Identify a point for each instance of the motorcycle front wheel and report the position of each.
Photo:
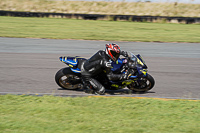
(143, 84)
(67, 79)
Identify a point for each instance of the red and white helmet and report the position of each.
(113, 51)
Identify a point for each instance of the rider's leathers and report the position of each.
(98, 63)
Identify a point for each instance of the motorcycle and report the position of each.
(139, 80)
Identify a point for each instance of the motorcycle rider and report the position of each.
(101, 62)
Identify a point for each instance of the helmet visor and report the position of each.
(115, 55)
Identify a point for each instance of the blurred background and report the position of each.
(181, 1)
(180, 8)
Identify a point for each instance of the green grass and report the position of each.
(97, 30)
(49, 114)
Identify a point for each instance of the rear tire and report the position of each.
(143, 85)
(67, 79)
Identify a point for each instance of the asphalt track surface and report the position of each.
(28, 66)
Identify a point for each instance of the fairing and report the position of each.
(72, 62)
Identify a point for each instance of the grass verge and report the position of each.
(48, 114)
(97, 30)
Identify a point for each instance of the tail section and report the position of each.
(73, 62)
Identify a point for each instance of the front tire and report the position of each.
(67, 79)
(143, 84)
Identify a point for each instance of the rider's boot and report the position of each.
(99, 92)
(98, 88)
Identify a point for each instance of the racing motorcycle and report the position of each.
(139, 80)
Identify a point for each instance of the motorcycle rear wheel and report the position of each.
(143, 85)
(67, 79)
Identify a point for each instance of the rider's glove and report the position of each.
(124, 53)
(105, 63)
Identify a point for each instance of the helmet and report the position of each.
(113, 51)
